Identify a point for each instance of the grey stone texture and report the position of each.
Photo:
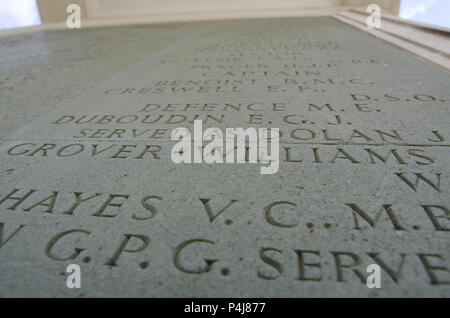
(363, 177)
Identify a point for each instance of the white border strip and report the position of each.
(426, 42)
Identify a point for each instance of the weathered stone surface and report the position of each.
(363, 177)
(42, 70)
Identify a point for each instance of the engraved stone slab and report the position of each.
(41, 70)
(363, 176)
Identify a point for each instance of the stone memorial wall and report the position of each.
(363, 173)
